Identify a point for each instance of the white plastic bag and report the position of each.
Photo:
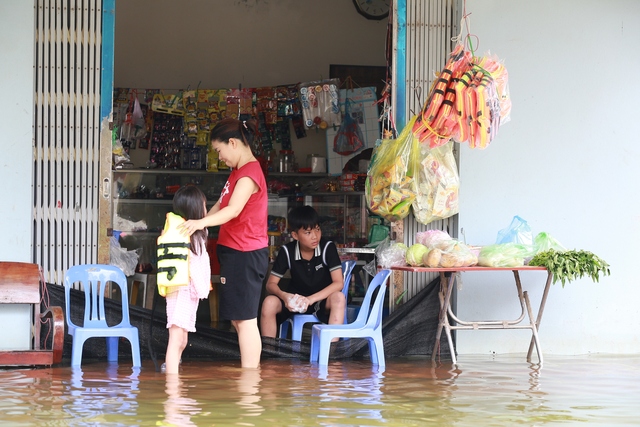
(122, 258)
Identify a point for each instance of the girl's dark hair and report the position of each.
(304, 217)
(188, 202)
(244, 130)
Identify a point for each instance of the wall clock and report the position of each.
(373, 9)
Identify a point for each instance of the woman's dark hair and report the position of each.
(244, 130)
(304, 217)
(188, 202)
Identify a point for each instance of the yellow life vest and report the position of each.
(173, 255)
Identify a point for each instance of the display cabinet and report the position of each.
(344, 217)
(141, 199)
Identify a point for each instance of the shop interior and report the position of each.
(198, 54)
(195, 44)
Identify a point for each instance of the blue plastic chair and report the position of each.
(94, 279)
(368, 325)
(297, 321)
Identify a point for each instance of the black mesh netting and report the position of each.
(409, 330)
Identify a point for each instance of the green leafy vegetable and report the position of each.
(568, 266)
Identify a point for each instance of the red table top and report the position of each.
(474, 268)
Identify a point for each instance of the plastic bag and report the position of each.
(122, 258)
(517, 232)
(134, 125)
(391, 254)
(433, 238)
(437, 185)
(451, 253)
(377, 233)
(349, 138)
(544, 242)
(390, 188)
(504, 255)
(296, 304)
(117, 150)
(137, 118)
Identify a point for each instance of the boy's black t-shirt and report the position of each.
(307, 277)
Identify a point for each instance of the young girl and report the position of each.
(182, 301)
(241, 213)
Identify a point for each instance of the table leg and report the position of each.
(534, 331)
(446, 287)
(543, 301)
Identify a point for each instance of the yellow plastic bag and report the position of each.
(437, 184)
(390, 188)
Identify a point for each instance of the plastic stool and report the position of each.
(136, 280)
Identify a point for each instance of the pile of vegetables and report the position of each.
(435, 248)
(568, 266)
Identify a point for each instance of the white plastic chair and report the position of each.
(297, 321)
(368, 325)
(94, 279)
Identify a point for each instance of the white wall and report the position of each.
(566, 162)
(16, 119)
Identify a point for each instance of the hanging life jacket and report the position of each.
(173, 255)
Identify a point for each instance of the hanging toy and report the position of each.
(460, 105)
(442, 94)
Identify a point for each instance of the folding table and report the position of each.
(446, 312)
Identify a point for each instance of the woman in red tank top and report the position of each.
(241, 213)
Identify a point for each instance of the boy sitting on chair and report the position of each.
(316, 276)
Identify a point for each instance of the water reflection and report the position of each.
(99, 390)
(249, 390)
(422, 392)
(342, 388)
(504, 391)
(178, 408)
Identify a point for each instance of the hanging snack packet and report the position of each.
(389, 188)
(437, 185)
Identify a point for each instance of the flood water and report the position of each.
(482, 390)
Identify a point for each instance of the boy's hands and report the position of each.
(304, 303)
(296, 303)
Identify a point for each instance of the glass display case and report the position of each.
(141, 199)
(344, 217)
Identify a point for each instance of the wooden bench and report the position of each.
(20, 284)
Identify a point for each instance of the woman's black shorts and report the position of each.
(241, 278)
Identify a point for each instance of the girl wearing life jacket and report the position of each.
(189, 202)
(241, 213)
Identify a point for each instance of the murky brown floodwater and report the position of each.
(599, 390)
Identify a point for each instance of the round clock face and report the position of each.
(373, 9)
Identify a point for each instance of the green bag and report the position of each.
(378, 232)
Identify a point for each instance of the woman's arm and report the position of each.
(215, 208)
(245, 187)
